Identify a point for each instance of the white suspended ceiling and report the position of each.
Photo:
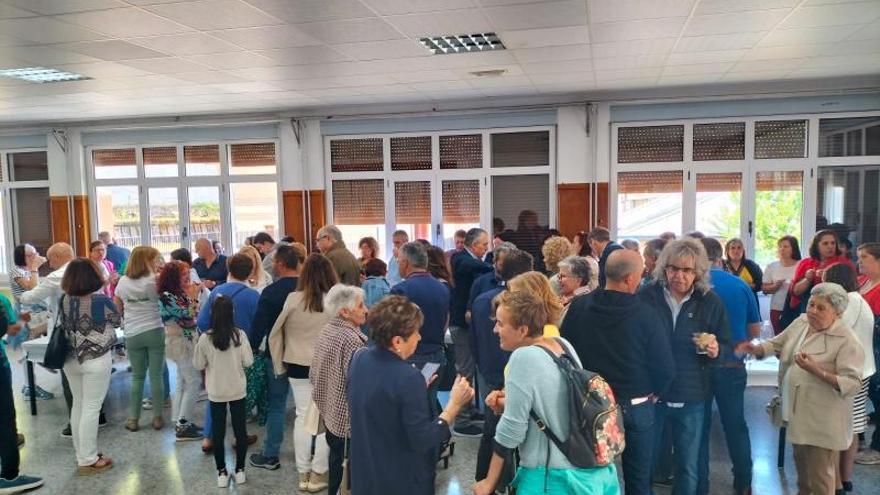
(152, 57)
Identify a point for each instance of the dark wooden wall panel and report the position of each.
(294, 215)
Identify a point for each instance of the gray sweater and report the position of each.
(224, 375)
(534, 382)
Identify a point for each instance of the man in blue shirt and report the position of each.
(729, 374)
(398, 239)
(117, 254)
(244, 307)
(286, 265)
(600, 242)
(210, 266)
(432, 297)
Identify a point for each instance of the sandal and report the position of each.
(131, 424)
(102, 464)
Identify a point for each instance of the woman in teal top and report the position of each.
(534, 382)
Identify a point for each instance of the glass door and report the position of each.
(779, 207)
(460, 209)
(166, 228)
(204, 214)
(718, 205)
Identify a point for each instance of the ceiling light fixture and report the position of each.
(41, 75)
(462, 43)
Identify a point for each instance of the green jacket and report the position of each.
(347, 267)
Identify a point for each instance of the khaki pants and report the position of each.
(816, 469)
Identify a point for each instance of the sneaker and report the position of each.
(240, 478)
(222, 479)
(147, 404)
(187, 432)
(66, 432)
(19, 484)
(317, 482)
(868, 457)
(41, 394)
(102, 420)
(261, 461)
(467, 431)
(303, 481)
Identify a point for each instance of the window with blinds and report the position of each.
(202, 160)
(461, 201)
(115, 163)
(411, 153)
(412, 202)
(649, 203)
(33, 221)
(252, 159)
(463, 151)
(521, 149)
(359, 202)
(650, 144)
(515, 196)
(719, 203)
(854, 136)
(781, 139)
(722, 141)
(160, 162)
(356, 155)
(30, 165)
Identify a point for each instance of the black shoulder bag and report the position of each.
(59, 347)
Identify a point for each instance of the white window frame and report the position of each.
(436, 175)
(9, 213)
(749, 166)
(182, 183)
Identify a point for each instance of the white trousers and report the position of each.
(89, 382)
(187, 393)
(302, 440)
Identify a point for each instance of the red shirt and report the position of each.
(872, 296)
(814, 264)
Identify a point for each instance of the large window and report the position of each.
(433, 184)
(24, 203)
(168, 196)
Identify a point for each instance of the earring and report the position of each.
(397, 350)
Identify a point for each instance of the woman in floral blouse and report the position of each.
(178, 304)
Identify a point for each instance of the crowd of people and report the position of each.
(361, 345)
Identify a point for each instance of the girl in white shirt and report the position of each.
(777, 278)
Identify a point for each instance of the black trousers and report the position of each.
(9, 457)
(218, 432)
(337, 455)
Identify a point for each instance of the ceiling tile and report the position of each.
(552, 53)
(534, 38)
(267, 37)
(636, 30)
(125, 23)
(351, 31)
(632, 47)
(424, 76)
(831, 15)
(688, 58)
(785, 52)
(465, 60)
(442, 23)
(186, 44)
(766, 65)
(740, 22)
(215, 14)
(103, 69)
(335, 82)
(517, 91)
(869, 32)
(630, 62)
(47, 30)
(276, 73)
(299, 11)
(726, 6)
(540, 15)
(396, 7)
(563, 78)
(304, 55)
(850, 48)
(683, 70)
(630, 10)
(581, 65)
(46, 55)
(10, 12)
(615, 75)
(797, 36)
(688, 80)
(208, 77)
(12, 41)
(112, 50)
(378, 50)
(233, 60)
(719, 42)
(54, 7)
(767, 75)
(498, 81)
(168, 65)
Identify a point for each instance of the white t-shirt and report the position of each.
(859, 317)
(140, 301)
(775, 272)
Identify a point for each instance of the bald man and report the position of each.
(616, 335)
(48, 290)
(210, 266)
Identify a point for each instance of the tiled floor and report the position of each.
(152, 462)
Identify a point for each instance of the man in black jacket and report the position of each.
(616, 335)
(687, 309)
(600, 242)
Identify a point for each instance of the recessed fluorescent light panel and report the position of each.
(462, 43)
(41, 75)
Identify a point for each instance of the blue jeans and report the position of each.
(420, 360)
(638, 423)
(728, 388)
(278, 390)
(685, 423)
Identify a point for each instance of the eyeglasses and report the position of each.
(322, 237)
(677, 269)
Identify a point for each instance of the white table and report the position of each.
(35, 352)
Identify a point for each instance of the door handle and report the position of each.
(750, 228)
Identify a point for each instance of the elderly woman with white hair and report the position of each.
(574, 280)
(334, 348)
(819, 374)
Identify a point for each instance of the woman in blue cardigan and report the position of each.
(394, 440)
